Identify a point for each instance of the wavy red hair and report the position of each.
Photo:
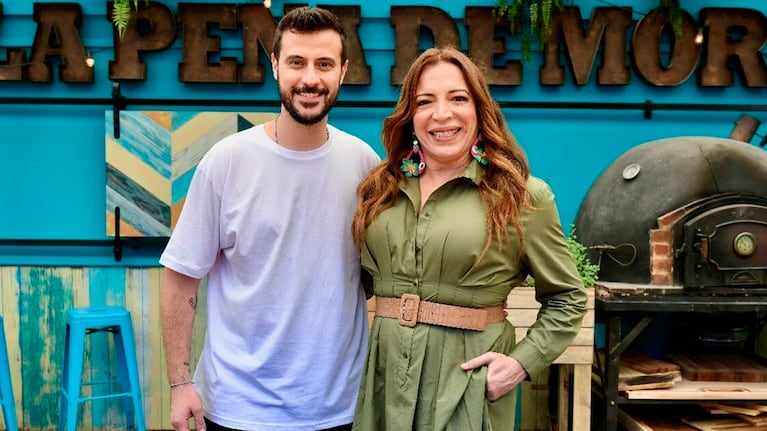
(503, 187)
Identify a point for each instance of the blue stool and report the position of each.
(85, 321)
(6, 388)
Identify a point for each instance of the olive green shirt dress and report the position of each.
(413, 379)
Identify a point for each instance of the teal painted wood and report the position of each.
(138, 207)
(172, 155)
(45, 295)
(99, 345)
(142, 298)
(106, 287)
(566, 147)
(143, 138)
(9, 307)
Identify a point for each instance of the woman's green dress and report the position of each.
(413, 379)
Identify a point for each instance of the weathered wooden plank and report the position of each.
(576, 355)
(722, 367)
(106, 286)
(139, 301)
(584, 337)
(522, 298)
(646, 421)
(534, 403)
(34, 302)
(522, 318)
(160, 413)
(580, 350)
(581, 399)
(704, 391)
(44, 296)
(9, 307)
(525, 318)
(161, 410)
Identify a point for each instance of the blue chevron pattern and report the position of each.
(150, 166)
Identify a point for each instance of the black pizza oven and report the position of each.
(684, 211)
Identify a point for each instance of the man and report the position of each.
(267, 221)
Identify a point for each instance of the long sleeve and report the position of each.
(558, 286)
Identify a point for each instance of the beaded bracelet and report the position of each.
(186, 382)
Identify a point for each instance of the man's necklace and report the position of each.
(277, 139)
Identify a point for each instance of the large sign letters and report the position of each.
(732, 43)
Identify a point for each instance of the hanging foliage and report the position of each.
(121, 14)
(675, 15)
(532, 20)
(529, 18)
(588, 271)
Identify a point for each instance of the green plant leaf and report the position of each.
(529, 18)
(588, 271)
(674, 10)
(121, 14)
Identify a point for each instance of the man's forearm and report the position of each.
(178, 307)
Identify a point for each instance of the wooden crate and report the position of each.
(573, 366)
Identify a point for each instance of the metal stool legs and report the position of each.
(6, 387)
(85, 321)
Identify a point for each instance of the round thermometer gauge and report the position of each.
(745, 244)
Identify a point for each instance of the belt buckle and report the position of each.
(408, 309)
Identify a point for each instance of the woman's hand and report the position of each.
(503, 372)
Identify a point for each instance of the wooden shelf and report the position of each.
(688, 390)
(682, 418)
(640, 421)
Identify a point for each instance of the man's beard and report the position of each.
(286, 97)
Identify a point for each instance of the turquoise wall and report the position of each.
(52, 170)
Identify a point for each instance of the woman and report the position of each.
(447, 225)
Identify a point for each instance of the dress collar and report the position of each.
(473, 172)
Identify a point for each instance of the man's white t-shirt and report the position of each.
(287, 327)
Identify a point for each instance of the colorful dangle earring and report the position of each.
(409, 166)
(478, 153)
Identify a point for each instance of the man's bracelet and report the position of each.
(186, 382)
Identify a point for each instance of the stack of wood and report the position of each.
(637, 371)
(702, 417)
(726, 417)
(719, 367)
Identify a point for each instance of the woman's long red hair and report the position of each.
(503, 187)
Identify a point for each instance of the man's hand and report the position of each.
(185, 403)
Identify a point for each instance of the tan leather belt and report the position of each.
(409, 310)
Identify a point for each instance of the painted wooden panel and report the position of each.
(150, 165)
(9, 307)
(34, 302)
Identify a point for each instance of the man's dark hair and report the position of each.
(308, 20)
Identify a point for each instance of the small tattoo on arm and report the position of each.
(193, 302)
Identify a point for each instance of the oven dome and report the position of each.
(651, 180)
